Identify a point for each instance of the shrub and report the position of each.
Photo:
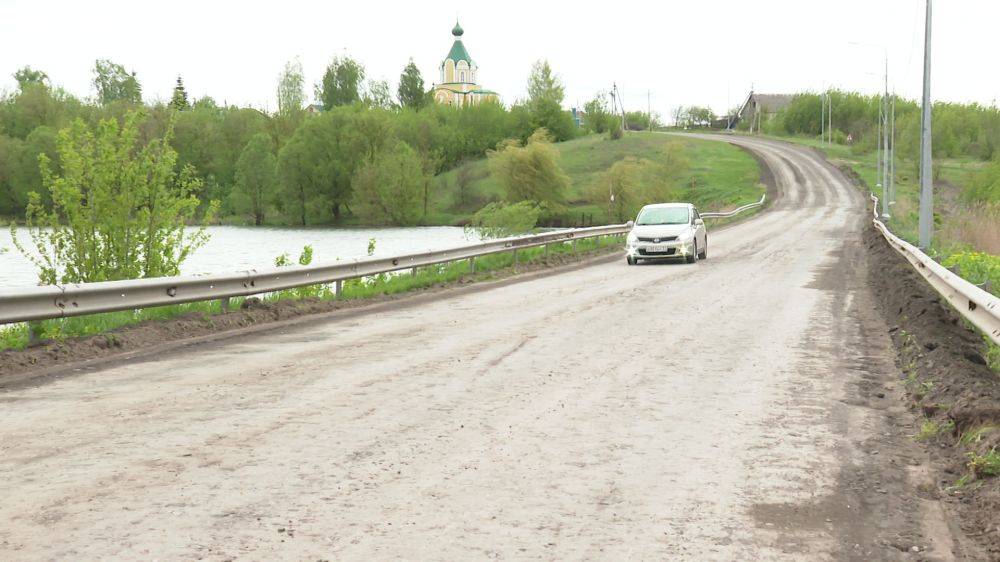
(119, 209)
(976, 267)
(530, 172)
(498, 220)
(615, 131)
(389, 189)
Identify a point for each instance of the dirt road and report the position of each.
(738, 408)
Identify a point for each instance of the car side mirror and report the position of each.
(699, 222)
(630, 224)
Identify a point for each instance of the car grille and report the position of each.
(669, 252)
(663, 239)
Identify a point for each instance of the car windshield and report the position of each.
(663, 215)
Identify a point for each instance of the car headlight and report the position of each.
(687, 236)
(631, 240)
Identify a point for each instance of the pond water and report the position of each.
(234, 248)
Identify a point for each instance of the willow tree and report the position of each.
(256, 178)
(530, 172)
(119, 208)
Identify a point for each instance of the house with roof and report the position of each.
(756, 108)
(458, 77)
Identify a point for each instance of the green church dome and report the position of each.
(458, 52)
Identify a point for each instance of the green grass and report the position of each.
(16, 336)
(931, 429)
(975, 435)
(720, 177)
(986, 465)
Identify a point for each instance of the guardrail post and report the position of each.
(472, 265)
(515, 260)
(34, 334)
(545, 247)
(338, 288)
(413, 272)
(574, 246)
(224, 304)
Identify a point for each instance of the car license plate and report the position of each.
(657, 248)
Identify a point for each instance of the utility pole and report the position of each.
(892, 151)
(885, 143)
(926, 174)
(649, 111)
(878, 147)
(829, 105)
(822, 117)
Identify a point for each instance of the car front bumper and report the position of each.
(670, 250)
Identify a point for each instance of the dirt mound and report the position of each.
(949, 383)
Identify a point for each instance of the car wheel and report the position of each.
(693, 256)
(630, 260)
(704, 253)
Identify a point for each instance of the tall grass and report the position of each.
(486, 267)
(977, 227)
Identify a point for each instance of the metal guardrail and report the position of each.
(978, 306)
(60, 301)
(736, 211)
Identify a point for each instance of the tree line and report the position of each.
(365, 153)
(966, 131)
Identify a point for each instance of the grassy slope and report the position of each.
(721, 175)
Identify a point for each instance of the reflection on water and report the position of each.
(234, 248)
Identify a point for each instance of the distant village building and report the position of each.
(458, 77)
(758, 108)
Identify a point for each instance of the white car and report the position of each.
(666, 231)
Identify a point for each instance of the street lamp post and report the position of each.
(926, 174)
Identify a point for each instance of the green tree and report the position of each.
(113, 83)
(256, 178)
(179, 100)
(119, 209)
(27, 77)
(530, 172)
(545, 97)
(411, 90)
(389, 188)
(303, 168)
(544, 84)
(378, 95)
(317, 164)
(291, 89)
(341, 84)
(10, 154)
(597, 117)
(27, 174)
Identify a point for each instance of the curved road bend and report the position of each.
(676, 411)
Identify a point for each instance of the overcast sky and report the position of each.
(706, 52)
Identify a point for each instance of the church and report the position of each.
(458, 76)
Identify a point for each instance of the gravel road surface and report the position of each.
(714, 411)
